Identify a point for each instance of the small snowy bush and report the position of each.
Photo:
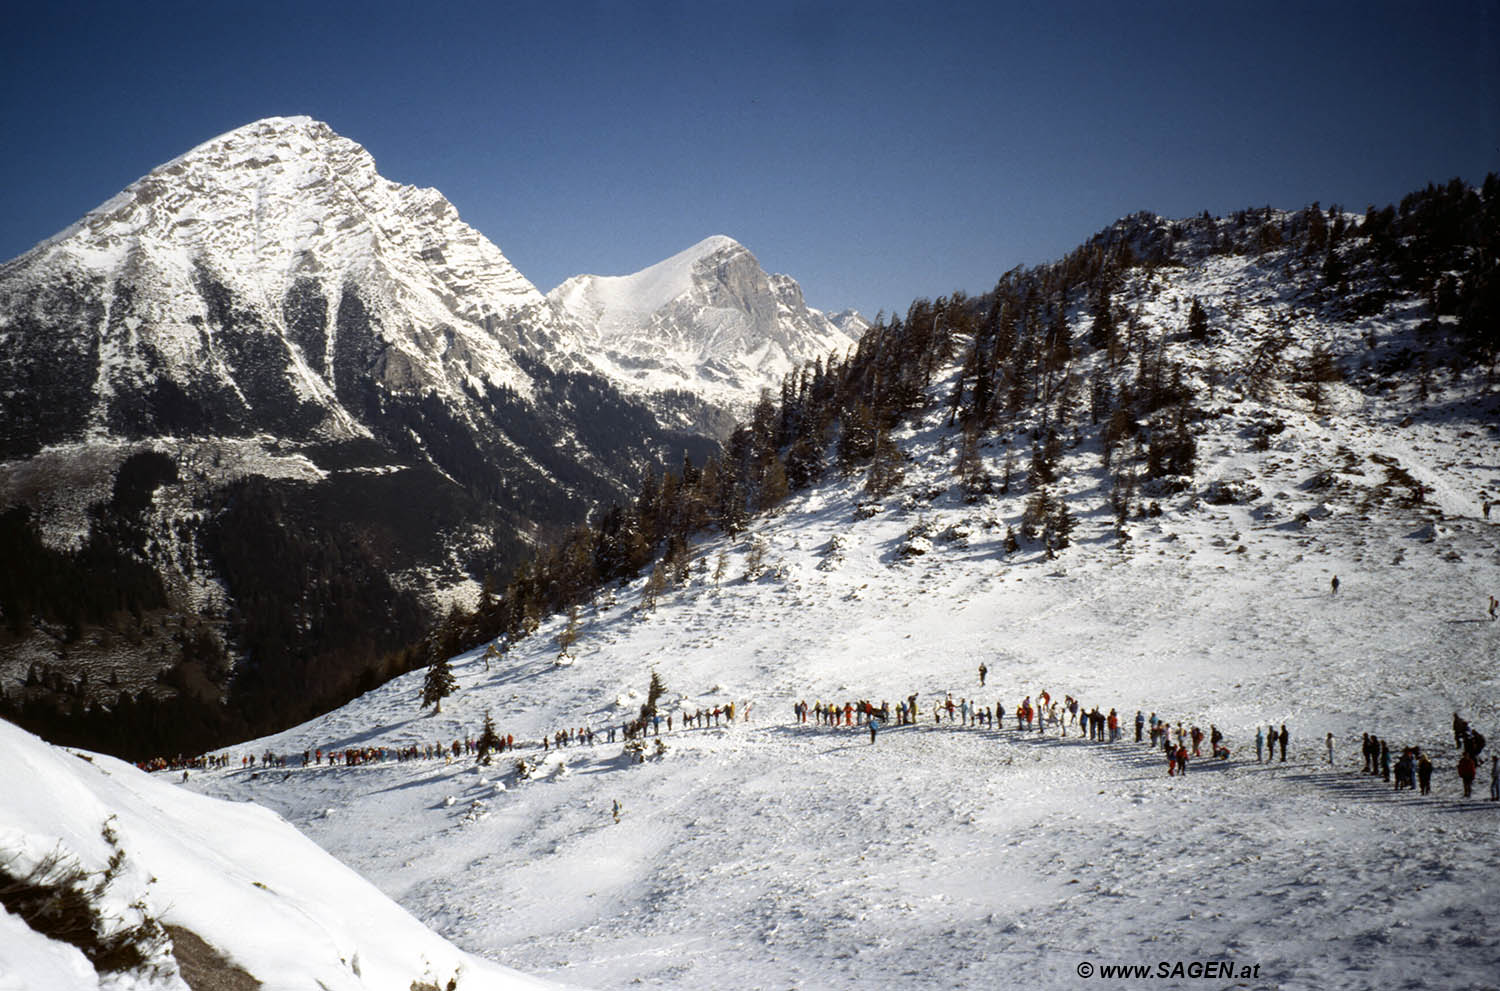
(1231, 492)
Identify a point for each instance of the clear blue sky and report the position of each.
(876, 152)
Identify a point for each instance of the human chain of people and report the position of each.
(685, 718)
(1181, 744)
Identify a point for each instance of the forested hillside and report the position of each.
(1124, 347)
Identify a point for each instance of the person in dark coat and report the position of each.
(1282, 738)
(1405, 767)
(1424, 773)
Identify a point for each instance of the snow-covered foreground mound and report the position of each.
(768, 854)
(223, 895)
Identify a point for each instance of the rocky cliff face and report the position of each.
(709, 320)
(267, 404)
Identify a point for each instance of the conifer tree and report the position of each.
(858, 439)
(1061, 524)
(568, 635)
(804, 464)
(438, 684)
(1036, 515)
(774, 484)
(655, 583)
(973, 477)
(1102, 331)
(654, 692)
(489, 740)
(886, 471)
(1197, 324)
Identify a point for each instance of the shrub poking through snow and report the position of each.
(57, 898)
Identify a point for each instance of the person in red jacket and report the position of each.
(1467, 768)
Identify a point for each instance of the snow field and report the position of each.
(767, 855)
(764, 855)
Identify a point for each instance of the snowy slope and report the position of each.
(708, 320)
(768, 854)
(242, 880)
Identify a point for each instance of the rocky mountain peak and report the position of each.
(708, 319)
(285, 197)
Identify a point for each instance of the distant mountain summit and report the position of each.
(708, 320)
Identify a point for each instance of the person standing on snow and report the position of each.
(1495, 778)
(1140, 724)
(982, 672)
(1329, 741)
(1282, 738)
(1424, 773)
(1466, 771)
(1334, 585)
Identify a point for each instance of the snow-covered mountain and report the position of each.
(709, 320)
(771, 852)
(265, 350)
(273, 276)
(110, 879)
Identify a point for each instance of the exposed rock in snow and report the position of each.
(1231, 491)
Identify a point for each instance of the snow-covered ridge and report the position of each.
(275, 196)
(617, 305)
(708, 319)
(289, 217)
(262, 896)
